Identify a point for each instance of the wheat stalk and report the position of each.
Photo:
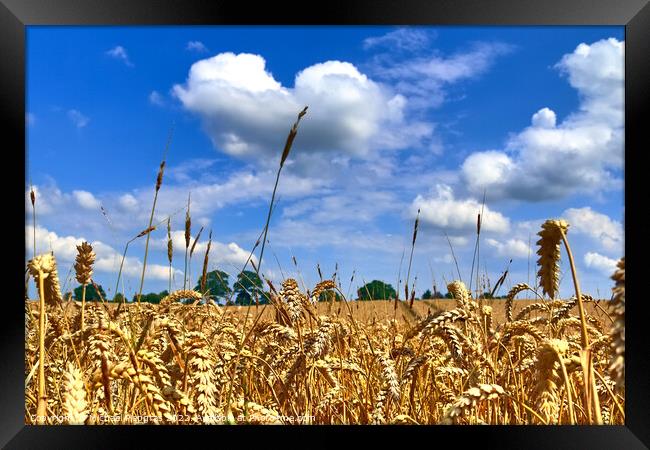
(408, 273)
(159, 179)
(188, 235)
(43, 269)
(285, 154)
(205, 262)
(170, 250)
(617, 364)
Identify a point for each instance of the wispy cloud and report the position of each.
(424, 74)
(401, 39)
(77, 118)
(196, 46)
(155, 98)
(120, 53)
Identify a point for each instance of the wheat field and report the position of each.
(297, 361)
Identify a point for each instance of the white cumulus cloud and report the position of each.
(222, 254)
(128, 202)
(247, 112)
(107, 258)
(602, 264)
(86, 199)
(600, 227)
(442, 210)
(544, 118)
(512, 248)
(581, 154)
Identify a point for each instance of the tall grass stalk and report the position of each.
(126, 247)
(170, 251)
(408, 274)
(451, 247)
(41, 410)
(188, 231)
(159, 179)
(205, 263)
(32, 196)
(196, 240)
(476, 258)
(399, 280)
(285, 154)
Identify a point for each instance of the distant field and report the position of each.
(366, 311)
(382, 309)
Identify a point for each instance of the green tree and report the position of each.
(216, 282)
(427, 295)
(449, 295)
(247, 286)
(91, 293)
(264, 298)
(151, 297)
(119, 298)
(438, 294)
(376, 290)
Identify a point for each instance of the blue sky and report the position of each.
(399, 119)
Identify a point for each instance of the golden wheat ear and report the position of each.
(459, 291)
(549, 255)
(180, 294)
(46, 264)
(548, 378)
(74, 403)
(516, 289)
(84, 263)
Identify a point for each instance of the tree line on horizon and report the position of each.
(248, 290)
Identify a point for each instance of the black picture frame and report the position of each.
(15, 15)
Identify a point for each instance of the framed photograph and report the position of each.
(355, 216)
